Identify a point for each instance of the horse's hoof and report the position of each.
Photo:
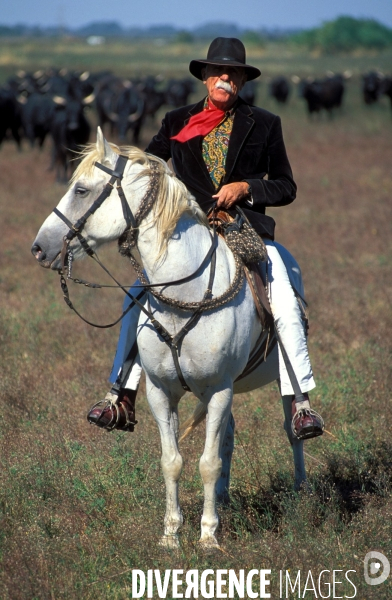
(209, 543)
(170, 542)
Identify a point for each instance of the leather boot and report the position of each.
(306, 422)
(116, 411)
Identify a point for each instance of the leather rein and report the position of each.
(75, 230)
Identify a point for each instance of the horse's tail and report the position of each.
(199, 414)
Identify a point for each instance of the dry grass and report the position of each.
(79, 508)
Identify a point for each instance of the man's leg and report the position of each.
(127, 338)
(290, 326)
(117, 410)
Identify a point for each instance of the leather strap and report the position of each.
(174, 342)
(187, 278)
(118, 170)
(76, 228)
(68, 301)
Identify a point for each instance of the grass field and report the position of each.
(80, 508)
(129, 58)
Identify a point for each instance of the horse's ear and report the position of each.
(104, 149)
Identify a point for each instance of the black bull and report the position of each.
(322, 94)
(120, 103)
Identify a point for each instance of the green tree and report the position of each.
(184, 37)
(346, 34)
(254, 38)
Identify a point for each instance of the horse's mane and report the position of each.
(173, 198)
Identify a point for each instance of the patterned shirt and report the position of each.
(214, 147)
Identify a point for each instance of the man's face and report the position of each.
(223, 84)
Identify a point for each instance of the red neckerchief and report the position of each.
(201, 124)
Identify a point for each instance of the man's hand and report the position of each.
(231, 194)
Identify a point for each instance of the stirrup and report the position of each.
(109, 402)
(113, 413)
(306, 424)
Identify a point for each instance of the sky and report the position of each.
(252, 14)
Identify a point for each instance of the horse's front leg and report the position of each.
(165, 413)
(219, 407)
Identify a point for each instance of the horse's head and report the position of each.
(87, 183)
(92, 210)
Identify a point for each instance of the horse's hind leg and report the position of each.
(211, 462)
(166, 417)
(297, 445)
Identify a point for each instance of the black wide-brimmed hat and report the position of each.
(224, 51)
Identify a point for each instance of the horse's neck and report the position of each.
(185, 252)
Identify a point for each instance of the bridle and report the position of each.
(75, 230)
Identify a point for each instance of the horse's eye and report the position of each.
(81, 191)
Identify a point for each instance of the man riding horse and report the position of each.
(221, 149)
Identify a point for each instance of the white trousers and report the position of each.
(289, 323)
(288, 319)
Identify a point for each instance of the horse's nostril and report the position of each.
(38, 253)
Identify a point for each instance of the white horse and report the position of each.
(172, 241)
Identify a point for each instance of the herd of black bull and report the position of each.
(35, 105)
(53, 103)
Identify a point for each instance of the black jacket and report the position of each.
(256, 149)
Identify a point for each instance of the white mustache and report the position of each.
(224, 85)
